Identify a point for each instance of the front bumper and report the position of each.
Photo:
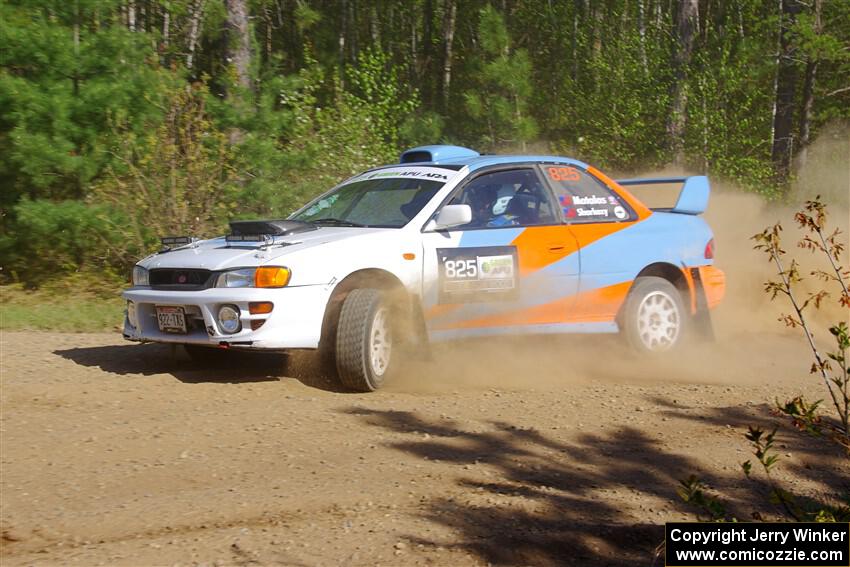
(295, 322)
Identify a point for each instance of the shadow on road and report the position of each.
(222, 366)
(552, 502)
(815, 458)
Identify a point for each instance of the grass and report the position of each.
(60, 309)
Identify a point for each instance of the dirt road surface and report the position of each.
(520, 453)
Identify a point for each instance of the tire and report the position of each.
(364, 340)
(654, 318)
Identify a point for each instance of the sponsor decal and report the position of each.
(591, 212)
(570, 212)
(592, 200)
(477, 274)
(415, 173)
(620, 212)
(496, 267)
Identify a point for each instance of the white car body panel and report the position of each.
(318, 259)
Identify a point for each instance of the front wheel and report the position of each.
(364, 340)
(654, 318)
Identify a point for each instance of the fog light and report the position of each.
(228, 319)
(131, 314)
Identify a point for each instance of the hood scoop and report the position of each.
(265, 230)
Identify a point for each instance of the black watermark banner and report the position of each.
(757, 545)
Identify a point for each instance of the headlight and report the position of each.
(140, 276)
(236, 278)
(264, 276)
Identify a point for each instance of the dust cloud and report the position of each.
(751, 345)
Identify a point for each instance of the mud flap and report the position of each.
(418, 342)
(703, 327)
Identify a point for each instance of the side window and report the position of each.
(583, 198)
(507, 198)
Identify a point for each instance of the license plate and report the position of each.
(171, 319)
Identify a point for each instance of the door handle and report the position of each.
(556, 247)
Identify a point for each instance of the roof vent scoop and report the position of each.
(436, 154)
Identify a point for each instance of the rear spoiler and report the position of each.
(693, 196)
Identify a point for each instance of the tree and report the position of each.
(448, 40)
(498, 104)
(686, 22)
(239, 42)
(785, 95)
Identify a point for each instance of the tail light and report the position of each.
(709, 250)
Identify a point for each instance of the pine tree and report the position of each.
(498, 105)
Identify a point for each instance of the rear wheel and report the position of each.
(364, 340)
(654, 317)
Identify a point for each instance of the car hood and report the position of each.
(218, 254)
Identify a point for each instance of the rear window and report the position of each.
(583, 198)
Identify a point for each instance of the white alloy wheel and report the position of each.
(659, 321)
(653, 319)
(380, 342)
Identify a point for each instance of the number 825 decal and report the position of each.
(461, 269)
(563, 174)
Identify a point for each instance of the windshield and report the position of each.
(388, 202)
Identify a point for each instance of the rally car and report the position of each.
(447, 244)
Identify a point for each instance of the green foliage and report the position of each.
(693, 491)
(306, 17)
(377, 96)
(146, 118)
(178, 179)
(55, 239)
(334, 133)
(499, 102)
(420, 129)
(812, 219)
(63, 85)
(804, 415)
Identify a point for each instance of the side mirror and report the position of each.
(453, 215)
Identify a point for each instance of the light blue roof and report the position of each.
(486, 161)
(458, 155)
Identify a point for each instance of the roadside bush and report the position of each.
(50, 240)
(830, 365)
(177, 180)
(334, 132)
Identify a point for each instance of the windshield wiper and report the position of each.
(337, 222)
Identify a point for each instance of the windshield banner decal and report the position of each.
(434, 173)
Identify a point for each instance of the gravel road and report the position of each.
(522, 452)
